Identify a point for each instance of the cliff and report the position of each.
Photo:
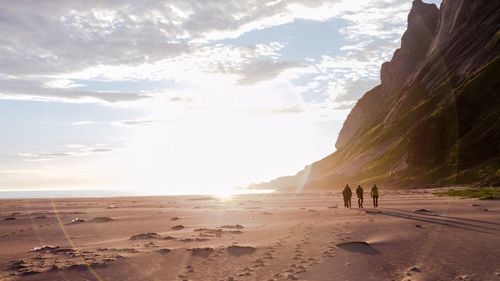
(435, 117)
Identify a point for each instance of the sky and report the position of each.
(178, 97)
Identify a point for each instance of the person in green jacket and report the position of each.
(374, 195)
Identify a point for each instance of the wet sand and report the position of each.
(411, 236)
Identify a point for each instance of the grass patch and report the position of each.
(481, 193)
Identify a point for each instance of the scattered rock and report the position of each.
(202, 252)
(45, 248)
(425, 211)
(78, 267)
(358, 247)
(17, 265)
(101, 219)
(236, 250)
(419, 226)
(77, 221)
(177, 227)
(9, 219)
(120, 250)
(174, 218)
(150, 245)
(41, 217)
(237, 226)
(196, 239)
(164, 251)
(415, 269)
(143, 236)
(29, 272)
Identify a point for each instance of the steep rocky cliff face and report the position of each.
(435, 117)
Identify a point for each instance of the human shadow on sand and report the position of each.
(469, 220)
(440, 220)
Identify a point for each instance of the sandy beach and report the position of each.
(413, 235)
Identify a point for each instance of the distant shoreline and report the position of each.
(90, 193)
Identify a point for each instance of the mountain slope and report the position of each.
(434, 118)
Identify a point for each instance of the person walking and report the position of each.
(347, 194)
(359, 193)
(374, 195)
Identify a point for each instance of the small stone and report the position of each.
(415, 269)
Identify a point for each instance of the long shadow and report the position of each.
(471, 220)
(436, 217)
(435, 221)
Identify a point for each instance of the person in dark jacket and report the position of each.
(374, 195)
(359, 193)
(347, 194)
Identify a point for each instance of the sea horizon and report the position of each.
(91, 193)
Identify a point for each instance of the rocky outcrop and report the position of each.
(415, 43)
(435, 117)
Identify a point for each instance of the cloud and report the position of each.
(99, 150)
(289, 109)
(176, 99)
(50, 37)
(355, 89)
(37, 89)
(116, 40)
(345, 105)
(372, 34)
(133, 123)
(71, 151)
(262, 70)
(82, 123)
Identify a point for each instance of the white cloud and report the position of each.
(133, 123)
(235, 104)
(36, 89)
(373, 33)
(82, 123)
(71, 151)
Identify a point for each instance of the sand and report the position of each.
(413, 235)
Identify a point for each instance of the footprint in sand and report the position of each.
(258, 263)
(189, 269)
(268, 255)
(246, 272)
